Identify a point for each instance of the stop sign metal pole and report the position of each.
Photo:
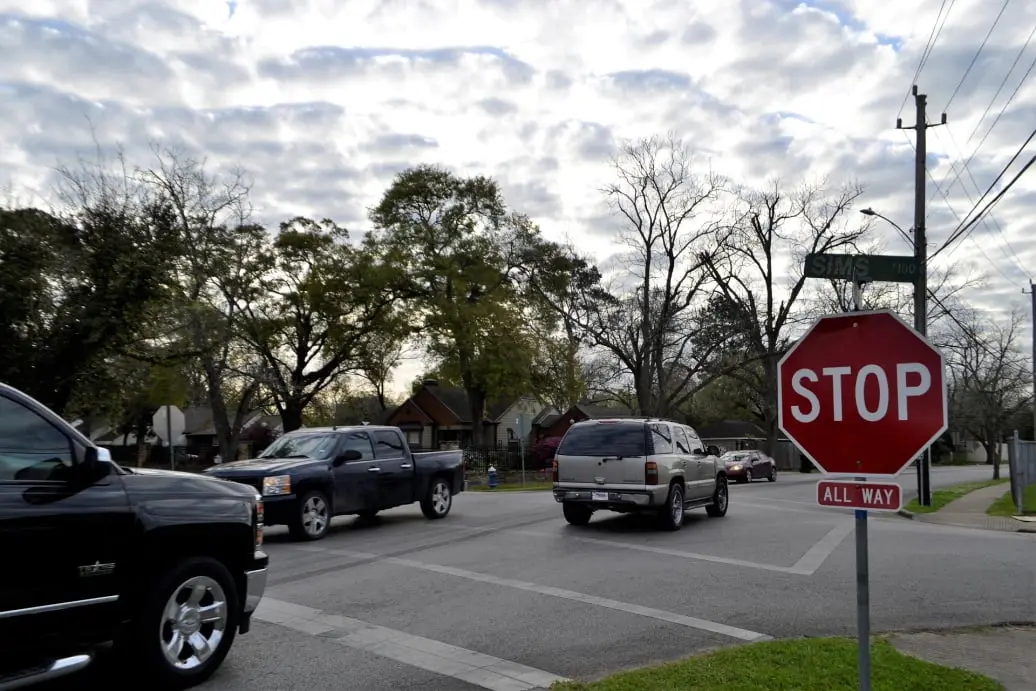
(863, 585)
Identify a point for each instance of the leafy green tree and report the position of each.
(79, 286)
(459, 258)
(315, 308)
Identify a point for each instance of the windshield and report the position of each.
(301, 446)
(605, 439)
(733, 457)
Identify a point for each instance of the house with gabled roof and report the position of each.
(436, 416)
(557, 425)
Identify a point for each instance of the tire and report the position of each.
(671, 516)
(720, 499)
(773, 474)
(438, 500)
(312, 517)
(576, 514)
(173, 614)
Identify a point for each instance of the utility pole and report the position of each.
(924, 466)
(1032, 297)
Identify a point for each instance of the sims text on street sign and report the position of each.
(862, 268)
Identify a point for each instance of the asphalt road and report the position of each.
(504, 595)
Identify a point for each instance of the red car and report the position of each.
(745, 466)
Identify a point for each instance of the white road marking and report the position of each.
(448, 660)
(680, 554)
(816, 555)
(629, 608)
(812, 560)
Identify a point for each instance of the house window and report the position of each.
(413, 438)
(510, 434)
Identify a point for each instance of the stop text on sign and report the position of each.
(910, 380)
(871, 496)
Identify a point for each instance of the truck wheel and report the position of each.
(312, 517)
(720, 499)
(670, 516)
(576, 514)
(438, 500)
(186, 624)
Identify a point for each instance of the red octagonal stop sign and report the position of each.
(862, 394)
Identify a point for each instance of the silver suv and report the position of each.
(637, 465)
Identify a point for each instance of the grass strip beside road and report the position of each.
(513, 487)
(942, 497)
(1004, 506)
(806, 664)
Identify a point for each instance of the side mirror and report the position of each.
(348, 456)
(713, 450)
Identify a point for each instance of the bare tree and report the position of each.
(762, 297)
(216, 238)
(670, 230)
(990, 378)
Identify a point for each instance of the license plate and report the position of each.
(599, 496)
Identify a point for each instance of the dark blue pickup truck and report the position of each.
(310, 475)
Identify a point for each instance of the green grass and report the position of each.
(942, 497)
(1004, 506)
(513, 487)
(810, 664)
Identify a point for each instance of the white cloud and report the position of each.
(321, 101)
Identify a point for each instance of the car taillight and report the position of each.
(260, 515)
(554, 466)
(650, 473)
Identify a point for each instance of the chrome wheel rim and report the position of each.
(748, 476)
(314, 516)
(441, 498)
(194, 622)
(677, 506)
(721, 495)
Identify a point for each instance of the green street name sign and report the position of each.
(863, 268)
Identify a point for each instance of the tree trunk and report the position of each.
(477, 398)
(291, 414)
(770, 412)
(142, 450)
(992, 459)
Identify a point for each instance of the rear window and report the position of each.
(605, 439)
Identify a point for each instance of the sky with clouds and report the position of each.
(322, 101)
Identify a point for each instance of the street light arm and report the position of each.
(872, 212)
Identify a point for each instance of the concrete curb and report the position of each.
(905, 514)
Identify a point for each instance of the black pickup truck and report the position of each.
(167, 566)
(310, 475)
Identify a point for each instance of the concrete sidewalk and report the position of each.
(1002, 653)
(969, 511)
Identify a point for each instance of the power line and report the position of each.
(978, 52)
(971, 334)
(1006, 249)
(1003, 172)
(933, 38)
(1014, 93)
(966, 230)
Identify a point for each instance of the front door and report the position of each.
(396, 469)
(356, 482)
(64, 539)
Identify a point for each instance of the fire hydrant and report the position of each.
(492, 477)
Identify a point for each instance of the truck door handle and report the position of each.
(406, 466)
(374, 469)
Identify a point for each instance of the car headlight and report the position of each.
(737, 467)
(277, 484)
